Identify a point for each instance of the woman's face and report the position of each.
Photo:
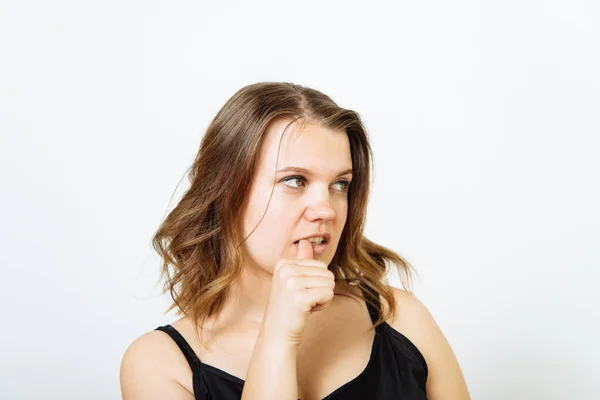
(303, 202)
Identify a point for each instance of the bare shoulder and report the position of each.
(412, 318)
(152, 367)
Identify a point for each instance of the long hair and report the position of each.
(199, 241)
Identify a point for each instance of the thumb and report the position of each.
(305, 250)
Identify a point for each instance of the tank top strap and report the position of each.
(369, 293)
(184, 346)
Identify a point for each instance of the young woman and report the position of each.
(281, 295)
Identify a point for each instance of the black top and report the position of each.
(396, 370)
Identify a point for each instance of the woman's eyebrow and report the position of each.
(309, 172)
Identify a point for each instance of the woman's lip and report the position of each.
(322, 243)
(317, 249)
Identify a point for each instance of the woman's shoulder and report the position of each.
(411, 317)
(414, 320)
(153, 363)
(153, 347)
(406, 302)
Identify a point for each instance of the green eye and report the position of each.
(293, 178)
(345, 187)
(297, 178)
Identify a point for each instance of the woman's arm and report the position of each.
(272, 371)
(148, 369)
(445, 380)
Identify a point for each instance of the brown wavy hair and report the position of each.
(199, 241)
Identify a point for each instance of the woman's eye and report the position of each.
(343, 183)
(293, 178)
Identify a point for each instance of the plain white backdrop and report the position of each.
(484, 120)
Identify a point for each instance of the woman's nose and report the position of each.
(321, 209)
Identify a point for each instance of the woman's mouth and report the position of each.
(317, 248)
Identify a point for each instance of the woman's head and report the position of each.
(241, 211)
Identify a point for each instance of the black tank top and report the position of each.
(396, 370)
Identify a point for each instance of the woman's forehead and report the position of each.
(306, 145)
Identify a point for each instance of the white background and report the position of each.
(484, 119)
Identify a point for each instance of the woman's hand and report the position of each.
(299, 288)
